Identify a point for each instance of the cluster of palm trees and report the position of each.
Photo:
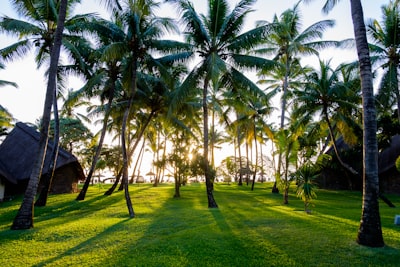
(145, 89)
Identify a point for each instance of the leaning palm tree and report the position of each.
(104, 81)
(286, 42)
(370, 231)
(37, 31)
(141, 34)
(385, 47)
(24, 217)
(334, 100)
(223, 51)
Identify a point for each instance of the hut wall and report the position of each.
(65, 180)
(389, 181)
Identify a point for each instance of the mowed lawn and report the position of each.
(250, 228)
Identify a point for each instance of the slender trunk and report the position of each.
(125, 158)
(240, 155)
(207, 172)
(137, 162)
(262, 161)
(247, 163)
(256, 165)
(345, 165)
(24, 217)
(112, 188)
(48, 178)
(283, 111)
(370, 231)
(96, 156)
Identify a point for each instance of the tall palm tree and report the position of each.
(385, 47)
(106, 78)
(37, 30)
(141, 37)
(325, 94)
(24, 217)
(222, 51)
(370, 230)
(286, 42)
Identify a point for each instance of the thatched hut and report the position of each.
(17, 153)
(389, 176)
(335, 177)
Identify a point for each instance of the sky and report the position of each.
(26, 102)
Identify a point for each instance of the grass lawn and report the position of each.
(248, 229)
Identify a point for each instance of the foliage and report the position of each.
(254, 230)
(305, 184)
(397, 163)
(74, 135)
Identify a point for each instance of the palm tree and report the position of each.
(385, 50)
(38, 31)
(370, 231)
(222, 51)
(286, 42)
(106, 78)
(24, 217)
(141, 35)
(326, 95)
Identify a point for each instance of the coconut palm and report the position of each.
(286, 42)
(370, 231)
(385, 47)
(105, 80)
(24, 217)
(327, 96)
(141, 35)
(37, 31)
(222, 51)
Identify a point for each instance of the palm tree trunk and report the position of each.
(125, 158)
(48, 179)
(283, 110)
(96, 156)
(370, 231)
(256, 165)
(207, 172)
(137, 162)
(345, 165)
(24, 217)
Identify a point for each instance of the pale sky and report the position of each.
(26, 102)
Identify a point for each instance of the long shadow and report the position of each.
(100, 238)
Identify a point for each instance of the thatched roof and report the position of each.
(19, 149)
(387, 158)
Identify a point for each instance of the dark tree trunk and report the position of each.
(256, 165)
(125, 159)
(207, 172)
(370, 231)
(112, 188)
(137, 162)
(48, 178)
(24, 217)
(96, 156)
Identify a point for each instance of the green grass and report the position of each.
(248, 229)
